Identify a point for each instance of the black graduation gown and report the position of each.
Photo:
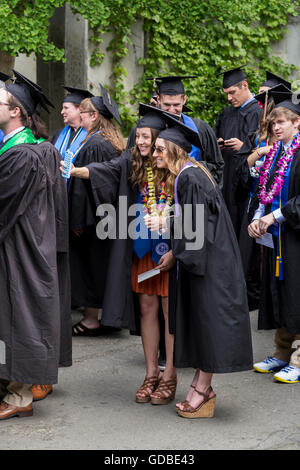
(211, 318)
(279, 304)
(110, 182)
(251, 252)
(88, 254)
(58, 192)
(30, 314)
(210, 152)
(235, 122)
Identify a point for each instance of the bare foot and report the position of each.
(180, 405)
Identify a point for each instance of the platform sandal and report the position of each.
(204, 410)
(143, 395)
(159, 397)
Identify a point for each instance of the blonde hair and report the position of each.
(281, 111)
(108, 129)
(177, 157)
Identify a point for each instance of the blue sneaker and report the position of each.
(271, 364)
(288, 375)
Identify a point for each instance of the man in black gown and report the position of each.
(30, 313)
(233, 126)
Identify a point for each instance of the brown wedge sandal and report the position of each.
(149, 386)
(184, 402)
(168, 386)
(204, 410)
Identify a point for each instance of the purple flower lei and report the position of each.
(267, 197)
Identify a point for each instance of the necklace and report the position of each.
(267, 197)
(155, 206)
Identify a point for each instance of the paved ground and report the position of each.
(93, 406)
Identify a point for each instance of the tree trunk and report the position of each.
(7, 63)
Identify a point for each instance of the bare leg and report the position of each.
(170, 371)
(90, 319)
(149, 305)
(204, 386)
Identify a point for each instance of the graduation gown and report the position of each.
(211, 317)
(210, 152)
(251, 252)
(109, 183)
(88, 254)
(235, 122)
(58, 193)
(30, 314)
(279, 303)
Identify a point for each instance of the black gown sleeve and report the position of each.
(82, 208)
(21, 174)
(105, 178)
(197, 206)
(210, 152)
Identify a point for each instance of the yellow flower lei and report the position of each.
(151, 203)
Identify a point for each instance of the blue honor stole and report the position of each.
(146, 241)
(195, 152)
(62, 144)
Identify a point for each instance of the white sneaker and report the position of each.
(288, 375)
(271, 364)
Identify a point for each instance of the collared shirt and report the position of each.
(247, 102)
(260, 211)
(11, 134)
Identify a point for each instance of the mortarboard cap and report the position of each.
(285, 100)
(76, 95)
(273, 80)
(179, 134)
(170, 85)
(233, 76)
(151, 117)
(26, 92)
(106, 106)
(261, 97)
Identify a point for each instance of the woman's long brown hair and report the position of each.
(177, 157)
(108, 129)
(138, 174)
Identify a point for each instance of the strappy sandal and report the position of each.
(149, 386)
(160, 397)
(184, 402)
(204, 410)
(79, 329)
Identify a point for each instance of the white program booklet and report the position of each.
(146, 275)
(265, 240)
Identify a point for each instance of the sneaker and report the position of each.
(161, 363)
(288, 375)
(271, 364)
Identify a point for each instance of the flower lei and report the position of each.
(267, 197)
(152, 207)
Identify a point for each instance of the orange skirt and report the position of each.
(157, 285)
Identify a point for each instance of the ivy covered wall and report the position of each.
(182, 37)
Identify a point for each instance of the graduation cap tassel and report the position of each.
(265, 106)
(279, 263)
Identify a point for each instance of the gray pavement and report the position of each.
(93, 406)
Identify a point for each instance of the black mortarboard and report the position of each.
(106, 105)
(25, 91)
(170, 85)
(152, 117)
(179, 134)
(273, 80)
(233, 76)
(76, 95)
(285, 100)
(261, 97)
